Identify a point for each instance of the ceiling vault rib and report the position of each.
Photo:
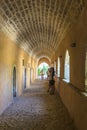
(36, 35)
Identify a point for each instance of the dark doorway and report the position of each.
(14, 82)
(30, 75)
(25, 78)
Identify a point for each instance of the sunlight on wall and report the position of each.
(58, 67)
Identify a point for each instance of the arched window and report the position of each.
(67, 67)
(86, 72)
(58, 67)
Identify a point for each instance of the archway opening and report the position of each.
(55, 66)
(14, 82)
(58, 70)
(67, 67)
(42, 70)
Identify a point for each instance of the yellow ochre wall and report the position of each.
(11, 55)
(70, 93)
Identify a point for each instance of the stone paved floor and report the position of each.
(35, 109)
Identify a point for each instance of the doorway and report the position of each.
(24, 78)
(14, 82)
(30, 75)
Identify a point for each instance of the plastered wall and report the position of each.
(11, 55)
(70, 93)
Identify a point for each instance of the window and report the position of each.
(58, 67)
(67, 67)
(86, 72)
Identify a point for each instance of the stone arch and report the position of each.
(44, 59)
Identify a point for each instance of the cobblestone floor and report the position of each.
(35, 109)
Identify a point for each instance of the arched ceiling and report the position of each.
(38, 26)
(37, 52)
(44, 59)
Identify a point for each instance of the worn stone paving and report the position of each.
(36, 109)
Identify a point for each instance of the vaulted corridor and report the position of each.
(35, 109)
(35, 33)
